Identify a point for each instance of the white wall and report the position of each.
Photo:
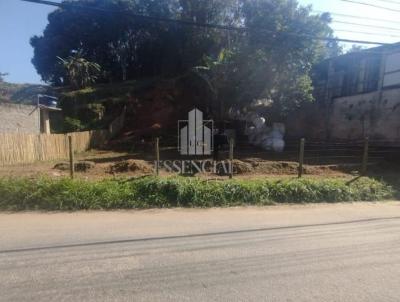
(363, 115)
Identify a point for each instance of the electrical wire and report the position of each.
(389, 1)
(204, 25)
(367, 33)
(372, 5)
(357, 17)
(366, 25)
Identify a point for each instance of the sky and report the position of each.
(20, 20)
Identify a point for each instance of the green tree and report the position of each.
(273, 60)
(126, 46)
(80, 72)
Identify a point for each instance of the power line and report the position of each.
(367, 33)
(389, 1)
(204, 25)
(372, 5)
(358, 17)
(366, 25)
(46, 2)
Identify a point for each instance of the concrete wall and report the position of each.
(351, 118)
(17, 118)
(355, 117)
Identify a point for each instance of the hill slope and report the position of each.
(22, 93)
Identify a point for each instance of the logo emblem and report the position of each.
(195, 135)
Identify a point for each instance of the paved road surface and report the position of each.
(302, 253)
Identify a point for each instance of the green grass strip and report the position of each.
(152, 192)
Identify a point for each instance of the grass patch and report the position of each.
(152, 192)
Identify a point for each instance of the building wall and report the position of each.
(18, 118)
(351, 118)
(355, 117)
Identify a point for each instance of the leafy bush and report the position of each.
(73, 125)
(152, 192)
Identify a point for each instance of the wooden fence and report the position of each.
(16, 148)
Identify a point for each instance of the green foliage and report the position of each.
(80, 72)
(127, 47)
(272, 61)
(73, 125)
(98, 105)
(66, 194)
(22, 93)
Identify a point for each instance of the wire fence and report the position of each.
(355, 155)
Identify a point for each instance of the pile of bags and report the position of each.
(268, 138)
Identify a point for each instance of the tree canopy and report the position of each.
(271, 59)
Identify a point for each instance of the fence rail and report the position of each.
(17, 148)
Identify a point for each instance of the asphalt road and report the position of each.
(302, 253)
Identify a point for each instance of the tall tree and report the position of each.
(124, 45)
(274, 58)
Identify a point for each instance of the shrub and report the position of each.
(152, 192)
(73, 125)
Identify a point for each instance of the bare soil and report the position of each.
(108, 164)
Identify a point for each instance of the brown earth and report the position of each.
(131, 165)
(106, 164)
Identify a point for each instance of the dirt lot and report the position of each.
(98, 164)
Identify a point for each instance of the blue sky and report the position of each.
(21, 20)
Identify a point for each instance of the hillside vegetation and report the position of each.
(22, 93)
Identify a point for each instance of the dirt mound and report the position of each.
(271, 167)
(291, 168)
(239, 167)
(137, 166)
(84, 166)
(61, 166)
(81, 166)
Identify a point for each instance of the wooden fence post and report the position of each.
(365, 157)
(301, 156)
(231, 145)
(71, 157)
(157, 156)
